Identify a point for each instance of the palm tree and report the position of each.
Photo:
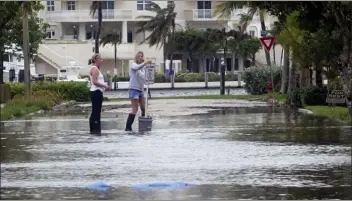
(224, 9)
(162, 27)
(94, 7)
(114, 39)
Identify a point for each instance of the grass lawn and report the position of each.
(335, 112)
(277, 96)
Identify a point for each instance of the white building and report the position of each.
(72, 30)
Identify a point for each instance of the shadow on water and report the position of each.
(240, 153)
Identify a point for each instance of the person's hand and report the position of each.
(107, 87)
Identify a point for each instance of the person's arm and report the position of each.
(94, 72)
(135, 66)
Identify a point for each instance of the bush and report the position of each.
(77, 91)
(312, 95)
(257, 78)
(19, 105)
(5, 94)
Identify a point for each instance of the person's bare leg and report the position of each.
(142, 106)
(132, 115)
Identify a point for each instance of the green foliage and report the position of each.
(5, 94)
(301, 97)
(335, 112)
(257, 79)
(77, 91)
(19, 105)
(12, 26)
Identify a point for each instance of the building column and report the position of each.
(124, 31)
(82, 31)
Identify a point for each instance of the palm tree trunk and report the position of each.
(262, 23)
(172, 80)
(1, 65)
(292, 77)
(27, 73)
(282, 53)
(285, 71)
(100, 19)
(274, 56)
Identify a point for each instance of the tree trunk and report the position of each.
(318, 74)
(171, 72)
(27, 73)
(262, 23)
(1, 66)
(285, 71)
(274, 56)
(292, 77)
(100, 19)
(304, 77)
(282, 53)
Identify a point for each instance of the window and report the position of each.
(252, 33)
(50, 34)
(50, 5)
(204, 9)
(202, 29)
(143, 5)
(71, 5)
(108, 5)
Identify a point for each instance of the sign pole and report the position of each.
(267, 42)
(145, 122)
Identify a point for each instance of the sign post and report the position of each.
(145, 122)
(267, 42)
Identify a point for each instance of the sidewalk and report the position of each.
(184, 85)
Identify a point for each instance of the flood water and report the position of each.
(246, 153)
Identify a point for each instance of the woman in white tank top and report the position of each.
(97, 87)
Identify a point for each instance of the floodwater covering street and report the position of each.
(241, 153)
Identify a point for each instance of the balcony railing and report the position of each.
(84, 15)
(199, 14)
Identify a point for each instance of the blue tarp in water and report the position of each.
(103, 186)
(172, 184)
(99, 186)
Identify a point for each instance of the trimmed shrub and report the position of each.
(312, 95)
(257, 79)
(77, 91)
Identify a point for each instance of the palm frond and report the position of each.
(94, 7)
(224, 9)
(112, 38)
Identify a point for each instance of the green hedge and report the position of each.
(304, 96)
(257, 79)
(77, 91)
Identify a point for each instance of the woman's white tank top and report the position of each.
(93, 87)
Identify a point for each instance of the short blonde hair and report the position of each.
(135, 57)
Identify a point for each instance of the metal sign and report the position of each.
(149, 74)
(267, 42)
(336, 96)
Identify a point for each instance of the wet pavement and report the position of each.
(177, 92)
(243, 153)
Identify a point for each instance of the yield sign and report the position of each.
(267, 42)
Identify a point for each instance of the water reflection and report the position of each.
(242, 153)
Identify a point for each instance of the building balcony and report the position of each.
(199, 14)
(85, 16)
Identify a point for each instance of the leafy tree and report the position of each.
(225, 9)
(11, 24)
